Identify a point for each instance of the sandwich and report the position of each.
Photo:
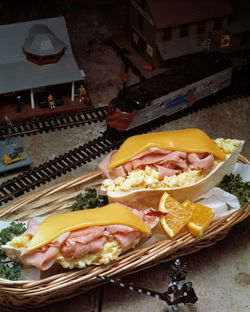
(81, 238)
(185, 163)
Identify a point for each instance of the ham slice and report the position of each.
(167, 162)
(75, 250)
(203, 161)
(43, 259)
(31, 227)
(176, 159)
(168, 171)
(125, 239)
(90, 240)
(115, 172)
(84, 241)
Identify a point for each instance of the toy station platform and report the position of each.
(9, 107)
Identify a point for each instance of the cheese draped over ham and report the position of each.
(166, 162)
(53, 226)
(170, 153)
(87, 240)
(187, 140)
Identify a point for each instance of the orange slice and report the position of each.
(177, 216)
(201, 217)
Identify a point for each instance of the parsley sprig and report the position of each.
(90, 199)
(9, 269)
(236, 186)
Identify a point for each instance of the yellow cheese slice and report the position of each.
(56, 225)
(187, 140)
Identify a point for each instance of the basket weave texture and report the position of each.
(61, 286)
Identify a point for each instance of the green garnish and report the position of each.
(234, 185)
(10, 269)
(90, 199)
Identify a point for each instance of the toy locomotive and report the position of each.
(167, 93)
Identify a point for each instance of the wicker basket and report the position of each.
(61, 286)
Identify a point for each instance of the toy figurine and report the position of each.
(179, 290)
(9, 126)
(87, 101)
(19, 103)
(51, 101)
(82, 93)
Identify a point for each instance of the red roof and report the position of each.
(170, 13)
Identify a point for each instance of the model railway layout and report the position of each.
(54, 168)
(62, 164)
(107, 141)
(55, 122)
(239, 87)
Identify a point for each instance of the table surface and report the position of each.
(221, 273)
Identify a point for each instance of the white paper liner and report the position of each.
(243, 170)
(223, 202)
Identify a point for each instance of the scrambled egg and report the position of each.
(150, 178)
(111, 251)
(189, 177)
(12, 247)
(227, 145)
(19, 241)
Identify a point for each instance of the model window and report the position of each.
(184, 31)
(34, 57)
(48, 57)
(244, 38)
(201, 27)
(141, 22)
(136, 104)
(217, 24)
(167, 34)
(62, 52)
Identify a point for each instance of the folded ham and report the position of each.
(167, 162)
(78, 243)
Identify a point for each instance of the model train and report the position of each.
(172, 91)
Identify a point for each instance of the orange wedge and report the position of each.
(201, 217)
(177, 215)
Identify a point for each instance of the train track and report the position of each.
(72, 119)
(55, 122)
(60, 165)
(106, 142)
(74, 158)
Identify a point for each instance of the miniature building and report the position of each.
(26, 45)
(239, 27)
(161, 30)
(42, 46)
